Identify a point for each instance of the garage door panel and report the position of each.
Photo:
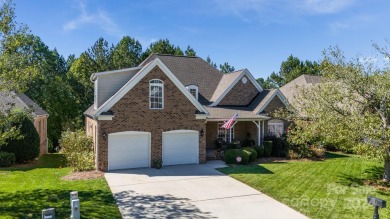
(180, 147)
(128, 150)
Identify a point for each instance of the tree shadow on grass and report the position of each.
(252, 169)
(30, 203)
(44, 161)
(135, 205)
(334, 155)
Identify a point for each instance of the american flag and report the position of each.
(230, 122)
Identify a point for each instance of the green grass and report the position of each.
(332, 188)
(25, 191)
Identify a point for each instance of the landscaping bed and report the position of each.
(25, 191)
(333, 188)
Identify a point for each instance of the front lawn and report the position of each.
(25, 191)
(333, 188)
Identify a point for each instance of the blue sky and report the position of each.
(253, 34)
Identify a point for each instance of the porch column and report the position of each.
(263, 131)
(258, 124)
(230, 132)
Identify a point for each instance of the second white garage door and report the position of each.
(128, 150)
(180, 147)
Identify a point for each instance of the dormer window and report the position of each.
(193, 90)
(156, 94)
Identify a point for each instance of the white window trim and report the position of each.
(227, 132)
(189, 87)
(95, 97)
(276, 123)
(162, 93)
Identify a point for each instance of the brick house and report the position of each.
(9, 100)
(171, 108)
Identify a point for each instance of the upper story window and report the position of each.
(156, 94)
(193, 90)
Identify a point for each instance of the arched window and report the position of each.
(156, 94)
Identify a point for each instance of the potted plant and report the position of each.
(157, 163)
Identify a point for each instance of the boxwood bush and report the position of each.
(78, 150)
(6, 159)
(230, 156)
(259, 150)
(252, 153)
(267, 148)
(25, 146)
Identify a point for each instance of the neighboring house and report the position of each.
(10, 100)
(293, 89)
(171, 108)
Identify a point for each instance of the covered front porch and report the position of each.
(244, 132)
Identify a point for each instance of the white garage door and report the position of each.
(180, 147)
(128, 150)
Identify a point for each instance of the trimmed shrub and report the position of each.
(253, 153)
(26, 145)
(259, 150)
(230, 156)
(267, 148)
(6, 159)
(280, 145)
(78, 150)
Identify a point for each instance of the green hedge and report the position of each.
(267, 148)
(26, 145)
(6, 159)
(259, 150)
(230, 156)
(252, 153)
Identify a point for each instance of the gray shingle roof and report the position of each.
(9, 100)
(192, 70)
(291, 89)
(224, 83)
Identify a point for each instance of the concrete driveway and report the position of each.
(190, 191)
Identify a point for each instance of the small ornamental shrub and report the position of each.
(6, 159)
(230, 156)
(259, 150)
(78, 150)
(267, 148)
(317, 152)
(252, 153)
(25, 146)
(157, 163)
(292, 155)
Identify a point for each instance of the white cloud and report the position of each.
(100, 18)
(355, 22)
(280, 11)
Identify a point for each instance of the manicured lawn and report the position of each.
(332, 188)
(25, 191)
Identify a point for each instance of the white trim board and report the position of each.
(246, 73)
(276, 93)
(138, 77)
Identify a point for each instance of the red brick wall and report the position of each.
(132, 113)
(240, 94)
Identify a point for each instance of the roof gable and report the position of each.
(192, 71)
(237, 76)
(268, 98)
(9, 100)
(141, 74)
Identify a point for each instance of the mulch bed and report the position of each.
(85, 175)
